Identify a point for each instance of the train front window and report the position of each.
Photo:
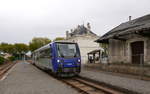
(67, 50)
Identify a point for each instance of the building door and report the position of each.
(137, 52)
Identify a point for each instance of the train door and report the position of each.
(50, 57)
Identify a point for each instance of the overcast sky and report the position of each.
(21, 20)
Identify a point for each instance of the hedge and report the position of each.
(2, 60)
(12, 58)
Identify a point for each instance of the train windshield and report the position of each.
(67, 50)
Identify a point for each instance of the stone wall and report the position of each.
(116, 51)
(122, 68)
(120, 51)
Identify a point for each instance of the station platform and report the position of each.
(24, 78)
(135, 85)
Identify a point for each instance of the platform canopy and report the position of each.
(92, 55)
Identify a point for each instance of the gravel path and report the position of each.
(27, 79)
(127, 83)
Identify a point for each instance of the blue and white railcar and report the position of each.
(60, 57)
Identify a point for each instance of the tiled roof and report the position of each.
(133, 25)
(80, 30)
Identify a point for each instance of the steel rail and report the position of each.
(87, 87)
(5, 68)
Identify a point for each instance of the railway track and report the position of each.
(5, 68)
(87, 87)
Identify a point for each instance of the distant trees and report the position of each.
(21, 48)
(38, 42)
(59, 38)
(7, 48)
(14, 48)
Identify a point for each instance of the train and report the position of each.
(61, 58)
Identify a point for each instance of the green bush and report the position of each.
(12, 58)
(2, 60)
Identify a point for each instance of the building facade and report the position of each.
(129, 42)
(85, 39)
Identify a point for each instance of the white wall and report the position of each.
(86, 44)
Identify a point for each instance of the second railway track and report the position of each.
(5, 68)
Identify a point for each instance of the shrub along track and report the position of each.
(4, 68)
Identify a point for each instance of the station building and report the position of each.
(85, 38)
(129, 42)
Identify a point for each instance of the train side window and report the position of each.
(45, 53)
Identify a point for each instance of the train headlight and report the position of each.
(58, 61)
(79, 60)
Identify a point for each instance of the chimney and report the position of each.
(89, 26)
(130, 18)
(67, 34)
(71, 30)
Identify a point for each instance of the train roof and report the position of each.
(64, 42)
(43, 47)
(48, 45)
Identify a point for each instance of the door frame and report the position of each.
(141, 44)
(128, 49)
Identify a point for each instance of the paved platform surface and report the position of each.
(24, 78)
(139, 86)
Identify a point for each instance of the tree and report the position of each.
(17, 50)
(38, 42)
(7, 48)
(21, 48)
(59, 38)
